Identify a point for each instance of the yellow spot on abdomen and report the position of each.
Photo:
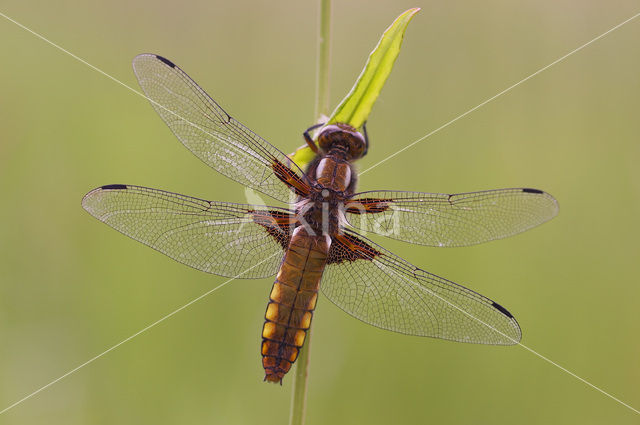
(272, 312)
(275, 292)
(294, 355)
(312, 301)
(306, 320)
(268, 330)
(299, 338)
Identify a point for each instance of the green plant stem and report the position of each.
(301, 374)
(322, 70)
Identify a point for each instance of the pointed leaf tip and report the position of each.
(356, 106)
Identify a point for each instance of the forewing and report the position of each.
(380, 288)
(232, 240)
(462, 219)
(211, 134)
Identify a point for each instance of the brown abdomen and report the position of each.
(292, 301)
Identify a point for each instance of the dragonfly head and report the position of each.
(345, 138)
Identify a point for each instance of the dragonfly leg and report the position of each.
(366, 138)
(309, 140)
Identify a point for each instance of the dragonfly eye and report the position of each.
(344, 136)
(359, 146)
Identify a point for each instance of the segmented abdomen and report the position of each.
(292, 301)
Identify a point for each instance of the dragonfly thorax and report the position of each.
(334, 174)
(322, 213)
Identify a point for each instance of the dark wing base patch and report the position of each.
(278, 224)
(290, 178)
(367, 205)
(346, 247)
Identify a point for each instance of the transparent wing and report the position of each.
(216, 237)
(461, 219)
(209, 132)
(380, 288)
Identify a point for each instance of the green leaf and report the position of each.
(302, 156)
(356, 106)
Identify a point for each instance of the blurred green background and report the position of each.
(70, 287)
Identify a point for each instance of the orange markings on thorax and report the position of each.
(333, 174)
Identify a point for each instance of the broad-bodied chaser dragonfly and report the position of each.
(314, 244)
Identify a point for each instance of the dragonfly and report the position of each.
(317, 242)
